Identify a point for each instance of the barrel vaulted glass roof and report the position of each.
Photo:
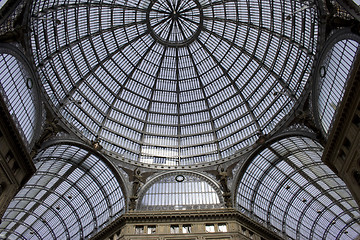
(71, 195)
(173, 82)
(289, 188)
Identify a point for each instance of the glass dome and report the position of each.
(173, 82)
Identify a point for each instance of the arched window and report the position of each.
(179, 191)
(72, 195)
(18, 90)
(288, 188)
(332, 74)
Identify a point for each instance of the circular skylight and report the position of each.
(174, 23)
(173, 82)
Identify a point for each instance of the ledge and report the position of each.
(183, 216)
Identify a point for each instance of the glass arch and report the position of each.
(288, 188)
(174, 87)
(332, 74)
(72, 195)
(180, 191)
(19, 91)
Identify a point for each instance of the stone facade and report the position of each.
(219, 224)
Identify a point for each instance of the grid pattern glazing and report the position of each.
(174, 23)
(72, 195)
(154, 91)
(16, 89)
(334, 73)
(288, 188)
(180, 192)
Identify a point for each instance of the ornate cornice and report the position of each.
(183, 216)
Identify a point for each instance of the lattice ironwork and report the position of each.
(174, 82)
(72, 195)
(288, 187)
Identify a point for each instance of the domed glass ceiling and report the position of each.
(173, 82)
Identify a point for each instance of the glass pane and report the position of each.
(209, 228)
(151, 229)
(2, 3)
(334, 73)
(180, 192)
(72, 194)
(139, 229)
(289, 187)
(172, 88)
(186, 228)
(222, 227)
(16, 87)
(174, 229)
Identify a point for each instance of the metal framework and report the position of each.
(332, 72)
(288, 187)
(18, 87)
(73, 191)
(173, 82)
(170, 84)
(52, 212)
(181, 190)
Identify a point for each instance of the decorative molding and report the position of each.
(142, 217)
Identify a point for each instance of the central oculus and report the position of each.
(174, 23)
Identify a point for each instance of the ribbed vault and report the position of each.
(173, 82)
(72, 195)
(287, 187)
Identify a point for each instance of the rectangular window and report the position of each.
(151, 229)
(186, 228)
(139, 229)
(174, 229)
(222, 227)
(210, 228)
